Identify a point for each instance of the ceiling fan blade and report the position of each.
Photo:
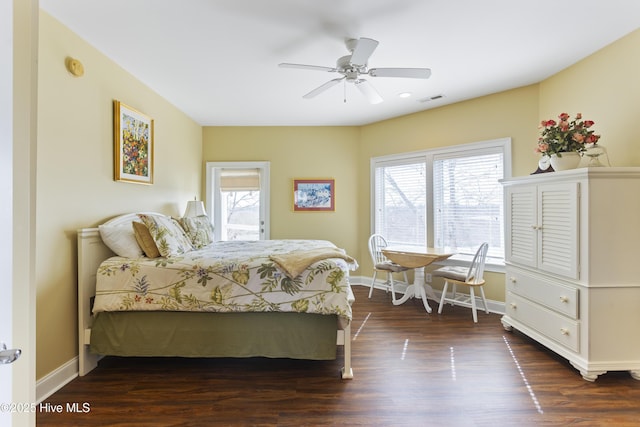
(306, 67)
(362, 51)
(414, 73)
(322, 88)
(368, 91)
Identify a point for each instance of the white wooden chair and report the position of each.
(471, 277)
(382, 264)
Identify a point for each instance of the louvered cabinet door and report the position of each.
(521, 225)
(557, 227)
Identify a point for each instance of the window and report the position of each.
(401, 200)
(448, 197)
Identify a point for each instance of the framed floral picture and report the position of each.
(133, 145)
(313, 195)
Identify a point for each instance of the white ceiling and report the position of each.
(217, 60)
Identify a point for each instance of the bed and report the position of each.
(274, 298)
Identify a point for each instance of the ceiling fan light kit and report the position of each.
(353, 66)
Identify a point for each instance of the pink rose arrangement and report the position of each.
(565, 136)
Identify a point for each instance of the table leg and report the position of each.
(418, 289)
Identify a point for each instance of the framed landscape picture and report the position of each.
(313, 195)
(133, 145)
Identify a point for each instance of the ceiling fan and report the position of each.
(353, 66)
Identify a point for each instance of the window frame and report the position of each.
(504, 144)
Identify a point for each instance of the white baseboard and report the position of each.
(494, 306)
(56, 379)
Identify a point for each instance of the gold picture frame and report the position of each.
(133, 145)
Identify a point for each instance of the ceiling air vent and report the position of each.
(431, 98)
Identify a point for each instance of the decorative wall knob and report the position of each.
(74, 66)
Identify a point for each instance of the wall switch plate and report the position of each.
(427, 277)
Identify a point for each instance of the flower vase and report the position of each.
(565, 161)
(595, 156)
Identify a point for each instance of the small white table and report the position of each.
(418, 258)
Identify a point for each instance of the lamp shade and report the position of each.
(194, 208)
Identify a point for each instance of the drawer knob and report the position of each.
(564, 331)
(514, 305)
(564, 299)
(512, 279)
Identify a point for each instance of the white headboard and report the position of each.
(91, 252)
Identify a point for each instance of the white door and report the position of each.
(18, 81)
(6, 217)
(238, 200)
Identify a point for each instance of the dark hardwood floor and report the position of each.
(411, 369)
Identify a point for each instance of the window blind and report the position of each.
(400, 200)
(468, 200)
(240, 180)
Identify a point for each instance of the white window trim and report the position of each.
(494, 265)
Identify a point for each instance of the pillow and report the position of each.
(121, 240)
(198, 229)
(144, 239)
(168, 235)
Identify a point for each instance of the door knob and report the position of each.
(8, 356)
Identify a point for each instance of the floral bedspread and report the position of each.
(230, 276)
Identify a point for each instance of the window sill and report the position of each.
(495, 265)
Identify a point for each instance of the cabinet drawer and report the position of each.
(558, 297)
(550, 324)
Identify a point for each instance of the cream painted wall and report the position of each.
(605, 88)
(75, 186)
(298, 152)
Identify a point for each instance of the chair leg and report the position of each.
(444, 295)
(406, 280)
(373, 281)
(391, 285)
(473, 304)
(484, 300)
(454, 292)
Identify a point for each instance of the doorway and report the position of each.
(237, 198)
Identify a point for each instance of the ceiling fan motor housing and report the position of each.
(350, 71)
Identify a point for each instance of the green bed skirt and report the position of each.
(186, 334)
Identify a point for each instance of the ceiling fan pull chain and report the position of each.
(344, 89)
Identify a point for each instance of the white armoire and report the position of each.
(572, 253)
